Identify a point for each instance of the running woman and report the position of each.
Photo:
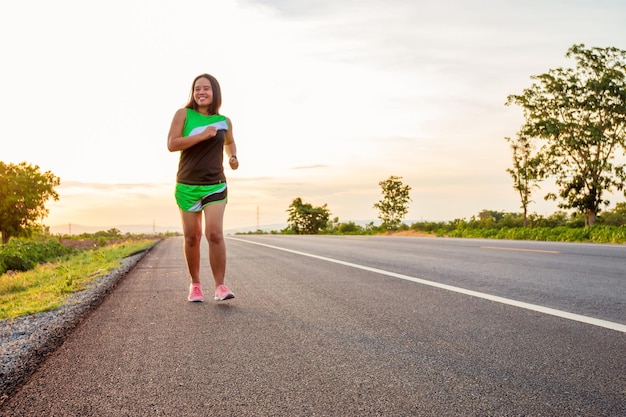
(202, 135)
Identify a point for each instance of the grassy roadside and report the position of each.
(48, 286)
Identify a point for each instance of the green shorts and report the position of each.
(194, 198)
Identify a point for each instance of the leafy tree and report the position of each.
(304, 219)
(24, 190)
(579, 117)
(526, 171)
(394, 205)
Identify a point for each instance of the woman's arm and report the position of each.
(230, 147)
(176, 142)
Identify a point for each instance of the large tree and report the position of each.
(578, 118)
(304, 219)
(24, 191)
(395, 203)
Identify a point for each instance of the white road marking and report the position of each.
(528, 306)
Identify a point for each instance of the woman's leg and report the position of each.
(192, 231)
(214, 218)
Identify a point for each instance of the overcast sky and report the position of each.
(327, 99)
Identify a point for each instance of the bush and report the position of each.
(23, 254)
(15, 262)
(348, 228)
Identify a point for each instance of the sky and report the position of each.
(327, 99)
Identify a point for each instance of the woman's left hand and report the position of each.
(233, 162)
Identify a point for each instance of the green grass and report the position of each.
(49, 286)
(593, 234)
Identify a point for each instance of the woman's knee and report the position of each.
(214, 235)
(193, 239)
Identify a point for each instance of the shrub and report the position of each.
(23, 254)
(348, 228)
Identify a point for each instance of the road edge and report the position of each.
(28, 340)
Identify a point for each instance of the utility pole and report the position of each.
(257, 217)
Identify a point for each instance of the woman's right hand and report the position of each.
(209, 132)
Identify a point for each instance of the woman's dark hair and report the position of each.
(216, 103)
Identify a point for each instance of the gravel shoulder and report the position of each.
(26, 341)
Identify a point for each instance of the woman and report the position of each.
(202, 135)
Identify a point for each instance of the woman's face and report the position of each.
(203, 92)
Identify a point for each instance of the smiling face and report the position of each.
(206, 95)
(203, 92)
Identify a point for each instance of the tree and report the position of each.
(304, 219)
(24, 190)
(394, 205)
(526, 171)
(579, 117)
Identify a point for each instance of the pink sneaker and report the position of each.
(195, 293)
(223, 293)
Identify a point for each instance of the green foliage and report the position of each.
(24, 190)
(22, 254)
(394, 205)
(348, 228)
(577, 119)
(351, 228)
(306, 219)
(592, 234)
(617, 217)
(492, 224)
(48, 285)
(559, 227)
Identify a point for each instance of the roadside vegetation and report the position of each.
(559, 227)
(610, 227)
(44, 273)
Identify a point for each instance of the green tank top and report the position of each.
(196, 122)
(203, 163)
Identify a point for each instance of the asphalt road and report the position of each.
(362, 326)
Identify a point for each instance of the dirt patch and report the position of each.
(79, 244)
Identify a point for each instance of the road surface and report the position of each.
(352, 326)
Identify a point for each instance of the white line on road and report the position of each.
(528, 306)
